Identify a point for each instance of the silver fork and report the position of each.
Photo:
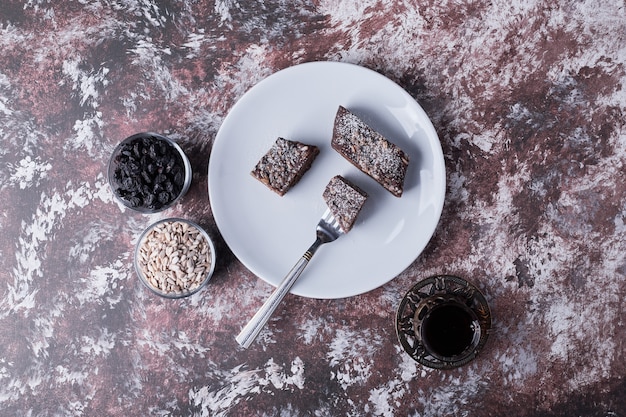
(327, 230)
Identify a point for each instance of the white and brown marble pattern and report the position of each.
(529, 100)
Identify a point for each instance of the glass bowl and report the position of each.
(174, 257)
(148, 172)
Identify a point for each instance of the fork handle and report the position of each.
(258, 321)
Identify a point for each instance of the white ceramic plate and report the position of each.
(269, 233)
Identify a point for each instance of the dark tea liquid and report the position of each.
(447, 330)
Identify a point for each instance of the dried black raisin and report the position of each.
(164, 197)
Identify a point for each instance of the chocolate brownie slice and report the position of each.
(345, 200)
(369, 151)
(284, 164)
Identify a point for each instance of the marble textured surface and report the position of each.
(529, 101)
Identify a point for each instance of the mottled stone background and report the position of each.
(529, 101)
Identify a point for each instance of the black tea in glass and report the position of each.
(448, 330)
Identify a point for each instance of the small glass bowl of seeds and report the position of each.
(174, 257)
(148, 172)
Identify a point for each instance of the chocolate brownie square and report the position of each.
(345, 200)
(284, 164)
(369, 151)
